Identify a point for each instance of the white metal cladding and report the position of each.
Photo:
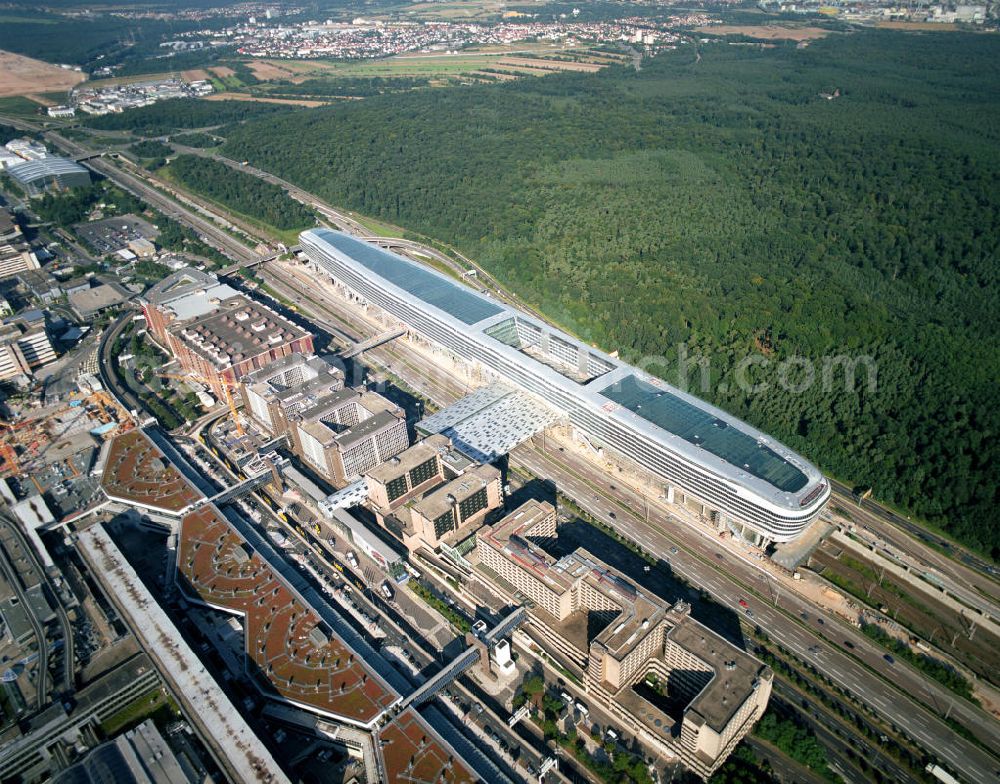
(776, 514)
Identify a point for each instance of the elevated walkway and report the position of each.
(245, 487)
(466, 660)
(374, 342)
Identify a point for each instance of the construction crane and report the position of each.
(225, 383)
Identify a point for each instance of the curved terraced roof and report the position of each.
(411, 754)
(287, 643)
(137, 472)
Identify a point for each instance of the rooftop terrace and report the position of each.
(411, 753)
(137, 472)
(294, 652)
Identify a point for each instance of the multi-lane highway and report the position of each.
(890, 688)
(894, 690)
(214, 234)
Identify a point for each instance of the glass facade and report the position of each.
(395, 488)
(421, 473)
(444, 523)
(474, 503)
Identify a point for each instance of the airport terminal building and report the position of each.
(746, 479)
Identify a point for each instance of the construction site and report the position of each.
(46, 449)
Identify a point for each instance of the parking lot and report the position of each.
(113, 234)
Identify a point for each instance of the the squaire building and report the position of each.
(741, 475)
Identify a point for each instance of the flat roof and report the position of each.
(736, 673)
(511, 536)
(367, 427)
(435, 290)
(328, 403)
(87, 301)
(289, 647)
(439, 501)
(411, 752)
(179, 284)
(463, 408)
(236, 329)
(137, 472)
(408, 459)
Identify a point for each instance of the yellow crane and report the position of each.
(226, 384)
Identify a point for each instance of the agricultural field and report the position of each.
(227, 96)
(767, 32)
(318, 79)
(478, 10)
(19, 106)
(21, 75)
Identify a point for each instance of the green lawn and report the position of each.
(152, 705)
(17, 106)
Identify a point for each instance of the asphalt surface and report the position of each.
(894, 690)
(736, 579)
(204, 227)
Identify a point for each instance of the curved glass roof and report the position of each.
(452, 298)
(701, 428)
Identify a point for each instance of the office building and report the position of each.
(15, 256)
(186, 294)
(347, 432)
(339, 433)
(233, 338)
(297, 651)
(741, 478)
(450, 514)
(668, 679)
(280, 390)
(10, 231)
(424, 466)
(24, 347)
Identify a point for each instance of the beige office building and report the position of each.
(666, 678)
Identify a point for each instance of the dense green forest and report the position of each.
(354, 86)
(152, 151)
(722, 203)
(197, 139)
(86, 40)
(182, 114)
(241, 192)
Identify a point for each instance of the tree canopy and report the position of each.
(834, 201)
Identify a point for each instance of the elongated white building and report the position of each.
(744, 478)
